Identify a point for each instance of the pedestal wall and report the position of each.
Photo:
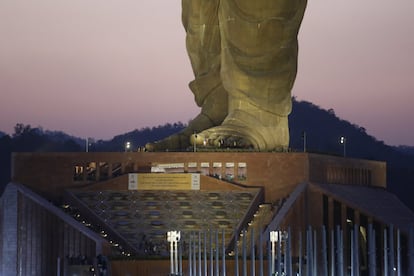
(51, 173)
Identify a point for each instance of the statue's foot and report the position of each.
(262, 131)
(213, 111)
(181, 140)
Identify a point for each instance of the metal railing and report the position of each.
(354, 251)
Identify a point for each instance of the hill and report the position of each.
(322, 128)
(323, 131)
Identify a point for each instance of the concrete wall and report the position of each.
(37, 241)
(50, 173)
(8, 232)
(339, 170)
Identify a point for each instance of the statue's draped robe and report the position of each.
(244, 59)
(248, 45)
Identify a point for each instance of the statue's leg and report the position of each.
(200, 20)
(259, 64)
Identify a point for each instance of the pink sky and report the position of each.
(102, 68)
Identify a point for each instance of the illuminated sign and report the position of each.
(164, 181)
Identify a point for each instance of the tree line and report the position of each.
(321, 128)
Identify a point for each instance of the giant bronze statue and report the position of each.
(244, 58)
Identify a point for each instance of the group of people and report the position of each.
(82, 260)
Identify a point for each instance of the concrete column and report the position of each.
(357, 217)
(330, 213)
(9, 231)
(346, 238)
